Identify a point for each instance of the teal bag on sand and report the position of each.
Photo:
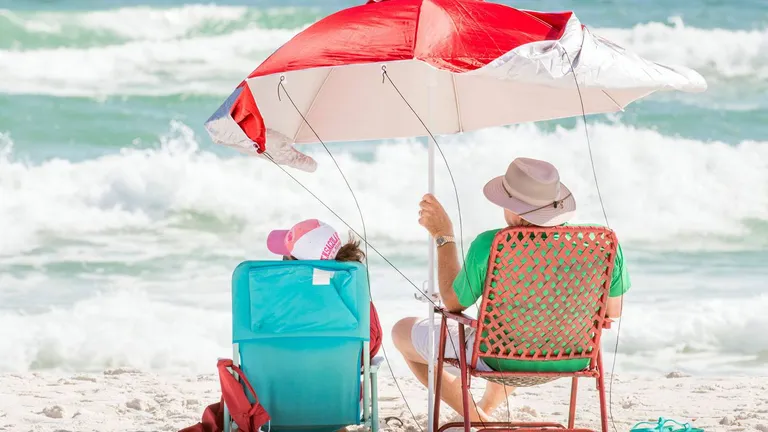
(664, 425)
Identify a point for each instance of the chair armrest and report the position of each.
(376, 363)
(458, 317)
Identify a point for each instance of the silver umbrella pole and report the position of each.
(431, 294)
(431, 275)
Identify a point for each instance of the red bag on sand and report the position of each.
(213, 420)
(248, 417)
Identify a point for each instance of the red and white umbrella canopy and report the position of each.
(461, 64)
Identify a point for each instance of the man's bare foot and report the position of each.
(485, 417)
(484, 414)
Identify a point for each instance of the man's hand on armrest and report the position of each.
(451, 302)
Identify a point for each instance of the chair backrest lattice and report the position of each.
(546, 293)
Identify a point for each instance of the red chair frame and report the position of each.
(573, 266)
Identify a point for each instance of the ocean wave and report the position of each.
(717, 53)
(657, 189)
(197, 65)
(140, 244)
(730, 326)
(200, 49)
(128, 327)
(121, 328)
(33, 29)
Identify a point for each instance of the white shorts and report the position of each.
(420, 340)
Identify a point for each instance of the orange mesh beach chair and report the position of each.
(544, 300)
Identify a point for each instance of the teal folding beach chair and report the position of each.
(300, 333)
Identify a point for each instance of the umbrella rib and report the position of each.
(621, 108)
(305, 116)
(456, 101)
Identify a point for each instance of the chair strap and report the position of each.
(227, 363)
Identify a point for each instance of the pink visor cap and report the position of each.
(307, 240)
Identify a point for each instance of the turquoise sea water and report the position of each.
(120, 222)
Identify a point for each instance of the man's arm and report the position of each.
(433, 217)
(620, 284)
(614, 307)
(448, 268)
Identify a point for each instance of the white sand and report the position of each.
(129, 400)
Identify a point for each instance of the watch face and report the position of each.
(440, 241)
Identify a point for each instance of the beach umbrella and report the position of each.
(460, 65)
(469, 64)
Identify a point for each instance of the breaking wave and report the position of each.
(673, 187)
(207, 49)
(140, 244)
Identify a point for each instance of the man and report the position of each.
(531, 194)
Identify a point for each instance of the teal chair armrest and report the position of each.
(376, 364)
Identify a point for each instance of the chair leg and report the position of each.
(227, 419)
(374, 402)
(366, 382)
(464, 378)
(439, 372)
(601, 391)
(572, 412)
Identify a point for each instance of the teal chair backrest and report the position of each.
(300, 328)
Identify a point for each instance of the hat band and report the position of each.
(556, 204)
(512, 193)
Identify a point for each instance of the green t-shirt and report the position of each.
(470, 282)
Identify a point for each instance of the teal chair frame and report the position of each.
(313, 336)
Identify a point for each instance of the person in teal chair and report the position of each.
(315, 240)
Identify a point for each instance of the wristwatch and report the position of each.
(442, 240)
